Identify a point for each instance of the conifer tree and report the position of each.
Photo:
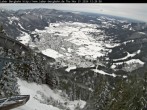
(1, 28)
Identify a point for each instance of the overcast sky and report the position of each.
(134, 11)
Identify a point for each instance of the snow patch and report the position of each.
(126, 26)
(104, 73)
(20, 26)
(69, 50)
(142, 33)
(112, 45)
(138, 52)
(70, 68)
(128, 41)
(113, 66)
(11, 19)
(24, 38)
(135, 61)
(128, 55)
(51, 53)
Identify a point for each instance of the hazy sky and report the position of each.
(135, 10)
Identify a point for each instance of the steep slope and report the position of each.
(42, 97)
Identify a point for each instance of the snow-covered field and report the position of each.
(51, 53)
(42, 98)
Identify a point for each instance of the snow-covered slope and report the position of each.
(44, 98)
